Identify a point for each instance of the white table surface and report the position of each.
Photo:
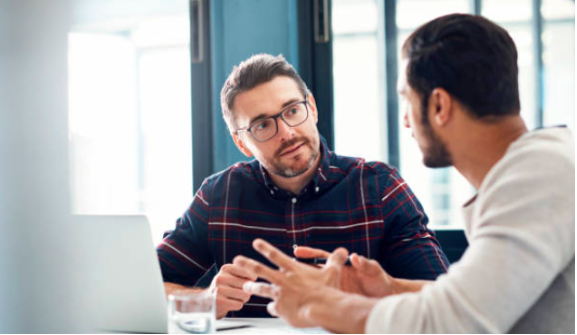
(264, 326)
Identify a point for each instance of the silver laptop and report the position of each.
(121, 284)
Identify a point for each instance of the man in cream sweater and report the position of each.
(460, 86)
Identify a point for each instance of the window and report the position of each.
(559, 62)
(130, 110)
(360, 113)
(358, 80)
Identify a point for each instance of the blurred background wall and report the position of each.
(37, 280)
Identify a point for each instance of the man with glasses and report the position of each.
(296, 194)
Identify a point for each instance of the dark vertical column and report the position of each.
(475, 6)
(316, 60)
(201, 90)
(391, 75)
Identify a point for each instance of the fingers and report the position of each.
(228, 284)
(355, 261)
(258, 269)
(273, 254)
(367, 266)
(271, 308)
(224, 305)
(226, 279)
(230, 280)
(262, 290)
(338, 257)
(370, 266)
(306, 252)
(238, 271)
(233, 293)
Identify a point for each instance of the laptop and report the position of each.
(121, 287)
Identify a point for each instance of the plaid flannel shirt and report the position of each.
(365, 207)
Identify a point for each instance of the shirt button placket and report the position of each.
(294, 201)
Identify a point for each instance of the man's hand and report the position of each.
(228, 284)
(295, 286)
(365, 276)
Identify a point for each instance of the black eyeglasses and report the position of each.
(264, 129)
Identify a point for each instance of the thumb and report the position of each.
(271, 308)
(338, 257)
(365, 265)
(369, 266)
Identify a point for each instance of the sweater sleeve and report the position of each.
(522, 236)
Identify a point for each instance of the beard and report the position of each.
(436, 155)
(298, 164)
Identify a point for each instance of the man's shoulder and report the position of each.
(236, 172)
(539, 161)
(552, 142)
(381, 167)
(543, 151)
(350, 164)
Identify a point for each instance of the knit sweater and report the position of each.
(518, 273)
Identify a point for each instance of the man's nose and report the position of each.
(406, 120)
(284, 130)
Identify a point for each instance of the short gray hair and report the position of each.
(256, 70)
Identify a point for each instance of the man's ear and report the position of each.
(240, 145)
(440, 106)
(313, 107)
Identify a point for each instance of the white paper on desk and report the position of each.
(263, 327)
(291, 330)
(230, 325)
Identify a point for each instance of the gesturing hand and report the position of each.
(229, 293)
(365, 276)
(295, 286)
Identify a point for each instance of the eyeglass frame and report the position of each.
(275, 118)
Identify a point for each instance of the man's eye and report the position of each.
(261, 126)
(292, 111)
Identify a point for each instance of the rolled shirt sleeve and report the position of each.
(411, 250)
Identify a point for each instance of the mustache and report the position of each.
(290, 143)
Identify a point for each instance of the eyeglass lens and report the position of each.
(293, 116)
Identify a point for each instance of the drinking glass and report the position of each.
(192, 312)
